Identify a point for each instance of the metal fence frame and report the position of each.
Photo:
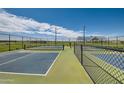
(24, 41)
(79, 51)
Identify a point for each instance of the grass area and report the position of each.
(14, 45)
(66, 70)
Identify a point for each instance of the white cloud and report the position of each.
(13, 23)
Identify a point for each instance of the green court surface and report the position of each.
(66, 70)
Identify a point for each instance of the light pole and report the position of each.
(55, 35)
(82, 46)
(84, 32)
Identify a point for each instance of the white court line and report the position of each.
(27, 74)
(9, 52)
(52, 64)
(15, 59)
(34, 51)
(34, 73)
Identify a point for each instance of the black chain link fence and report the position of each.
(103, 63)
(9, 42)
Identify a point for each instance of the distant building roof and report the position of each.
(95, 39)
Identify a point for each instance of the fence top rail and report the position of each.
(104, 47)
(109, 48)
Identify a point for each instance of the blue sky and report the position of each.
(97, 21)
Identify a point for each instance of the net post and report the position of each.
(70, 44)
(63, 47)
(24, 47)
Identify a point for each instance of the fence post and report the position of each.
(22, 42)
(101, 42)
(40, 42)
(108, 41)
(30, 41)
(117, 41)
(81, 55)
(36, 42)
(9, 43)
(74, 47)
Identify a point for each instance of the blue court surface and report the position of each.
(30, 63)
(113, 59)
